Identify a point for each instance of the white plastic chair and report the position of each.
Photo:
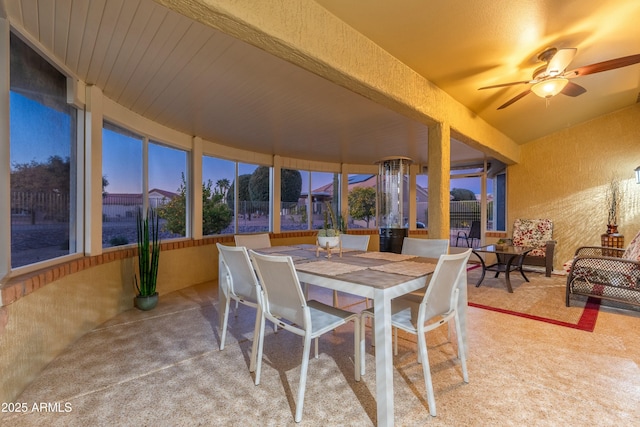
(282, 302)
(358, 243)
(241, 284)
(253, 241)
(438, 307)
(428, 248)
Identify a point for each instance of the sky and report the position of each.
(122, 155)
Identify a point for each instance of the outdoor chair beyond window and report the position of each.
(240, 284)
(536, 233)
(438, 307)
(253, 241)
(282, 302)
(471, 234)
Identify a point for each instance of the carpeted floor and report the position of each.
(542, 299)
(164, 368)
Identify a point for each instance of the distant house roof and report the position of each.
(355, 179)
(164, 193)
(132, 199)
(365, 180)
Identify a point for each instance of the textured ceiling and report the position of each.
(463, 45)
(178, 72)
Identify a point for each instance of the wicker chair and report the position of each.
(606, 273)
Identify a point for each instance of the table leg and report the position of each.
(484, 269)
(506, 273)
(384, 358)
(520, 261)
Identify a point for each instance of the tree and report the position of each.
(259, 185)
(290, 186)
(243, 190)
(462, 194)
(222, 186)
(216, 215)
(362, 203)
(40, 184)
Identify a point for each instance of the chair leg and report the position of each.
(395, 341)
(363, 350)
(335, 298)
(225, 322)
(258, 361)
(426, 370)
(256, 338)
(357, 348)
(461, 350)
(303, 378)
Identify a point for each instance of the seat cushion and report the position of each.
(533, 233)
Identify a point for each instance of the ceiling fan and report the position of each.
(552, 78)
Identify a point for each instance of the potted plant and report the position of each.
(501, 244)
(148, 258)
(329, 234)
(614, 198)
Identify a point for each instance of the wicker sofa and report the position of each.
(606, 273)
(536, 233)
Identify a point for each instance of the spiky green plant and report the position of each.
(148, 227)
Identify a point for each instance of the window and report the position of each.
(122, 194)
(362, 201)
(168, 189)
(253, 198)
(293, 206)
(325, 189)
(218, 196)
(43, 172)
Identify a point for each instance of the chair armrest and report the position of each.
(599, 251)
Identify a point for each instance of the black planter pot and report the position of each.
(146, 302)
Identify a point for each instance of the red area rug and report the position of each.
(541, 299)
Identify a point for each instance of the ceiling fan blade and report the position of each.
(611, 64)
(506, 84)
(514, 99)
(572, 89)
(560, 61)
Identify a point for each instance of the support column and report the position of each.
(276, 193)
(196, 190)
(439, 169)
(5, 154)
(93, 171)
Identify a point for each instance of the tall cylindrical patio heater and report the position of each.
(391, 189)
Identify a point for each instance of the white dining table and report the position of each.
(380, 276)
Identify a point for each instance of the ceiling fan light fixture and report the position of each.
(550, 87)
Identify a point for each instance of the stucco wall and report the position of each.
(40, 325)
(564, 176)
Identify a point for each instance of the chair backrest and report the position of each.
(282, 295)
(474, 230)
(633, 250)
(355, 241)
(429, 248)
(533, 233)
(253, 241)
(241, 278)
(439, 297)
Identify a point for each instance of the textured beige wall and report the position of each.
(564, 177)
(43, 323)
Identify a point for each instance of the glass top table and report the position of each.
(508, 258)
